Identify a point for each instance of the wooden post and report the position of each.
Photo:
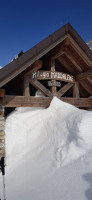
(53, 89)
(76, 90)
(2, 132)
(26, 86)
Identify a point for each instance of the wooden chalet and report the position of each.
(60, 65)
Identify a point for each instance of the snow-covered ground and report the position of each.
(49, 153)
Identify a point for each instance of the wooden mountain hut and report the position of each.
(60, 65)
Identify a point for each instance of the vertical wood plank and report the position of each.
(26, 86)
(76, 90)
(53, 89)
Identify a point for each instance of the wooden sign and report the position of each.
(54, 84)
(49, 75)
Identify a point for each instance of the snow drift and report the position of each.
(64, 129)
(42, 145)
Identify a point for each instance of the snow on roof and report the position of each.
(90, 44)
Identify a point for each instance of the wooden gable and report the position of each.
(60, 65)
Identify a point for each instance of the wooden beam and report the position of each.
(80, 52)
(68, 54)
(86, 86)
(64, 89)
(84, 75)
(59, 51)
(90, 80)
(2, 92)
(78, 102)
(26, 86)
(76, 90)
(21, 101)
(58, 54)
(72, 59)
(40, 87)
(66, 65)
(83, 92)
(34, 67)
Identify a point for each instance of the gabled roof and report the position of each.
(18, 65)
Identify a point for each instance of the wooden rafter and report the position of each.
(36, 66)
(21, 101)
(84, 75)
(66, 65)
(87, 87)
(64, 89)
(83, 92)
(61, 49)
(58, 54)
(79, 51)
(90, 80)
(72, 59)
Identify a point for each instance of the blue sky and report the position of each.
(24, 23)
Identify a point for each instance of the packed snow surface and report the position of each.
(49, 153)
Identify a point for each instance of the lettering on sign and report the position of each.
(48, 75)
(54, 84)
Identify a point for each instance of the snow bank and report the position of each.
(42, 149)
(64, 129)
